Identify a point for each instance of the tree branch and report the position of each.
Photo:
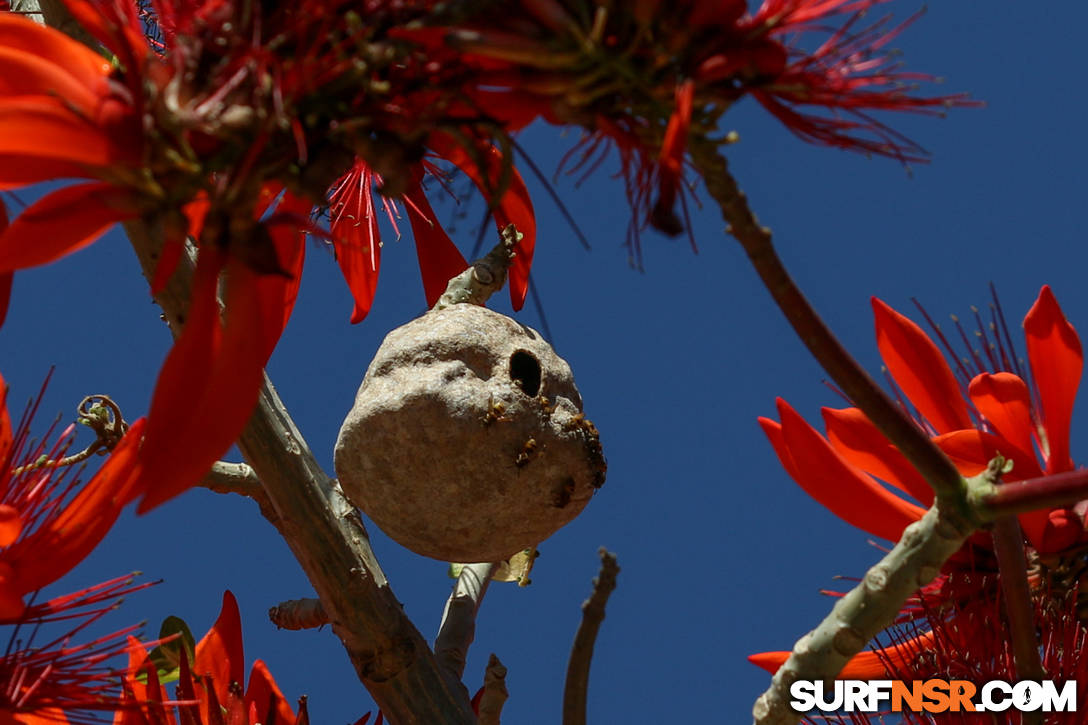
(577, 686)
(938, 471)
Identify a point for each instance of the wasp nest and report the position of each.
(467, 440)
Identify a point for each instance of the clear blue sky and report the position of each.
(722, 554)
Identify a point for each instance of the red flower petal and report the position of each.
(5, 297)
(220, 654)
(1056, 362)
(42, 127)
(6, 435)
(850, 494)
(264, 694)
(920, 370)
(29, 74)
(18, 170)
(870, 665)
(79, 61)
(62, 222)
(210, 381)
(971, 450)
(359, 256)
(671, 161)
(514, 207)
(11, 524)
(1003, 399)
(1062, 528)
(439, 258)
(286, 228)
(769, 661)
(355, 236)
(858, 441)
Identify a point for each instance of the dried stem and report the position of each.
(938, 471)
(577, 685)
(495, 693)
(458, 627)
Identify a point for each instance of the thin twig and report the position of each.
(923, 454)
(495, 693)
(577, 686)
(458, 627)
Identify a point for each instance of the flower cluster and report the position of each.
(49, 522)
(231, 135)
(645, 76)
(986, 404)
(209, 689)
(235, 121)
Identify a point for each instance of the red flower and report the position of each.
(158, 136)
(354, 226)
(994, 407)
(988, 411)
(644, 76)
(210, 689)
(48, 524)
(45, 679)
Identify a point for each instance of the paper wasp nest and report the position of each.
(467, 440)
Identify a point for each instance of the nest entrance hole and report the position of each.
(525, 372)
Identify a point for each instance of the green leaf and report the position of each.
(167, 656)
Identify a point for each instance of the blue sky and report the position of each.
(722, 555)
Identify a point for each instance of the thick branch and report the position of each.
(577, 686)
(938, 471)
(327, 537)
